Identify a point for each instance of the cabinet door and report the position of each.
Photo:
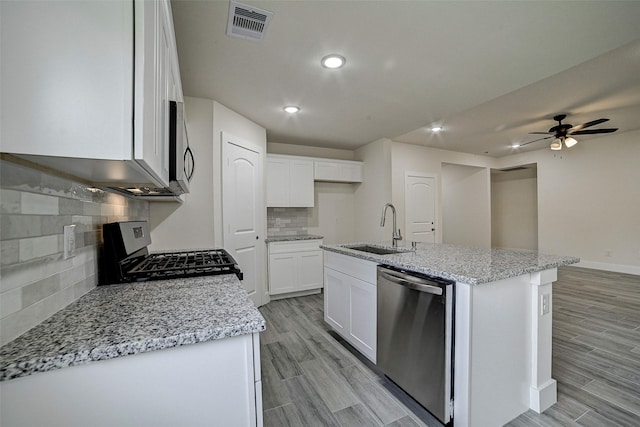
(277, 182)
(336, 300)
(153, 47)
(67, 78)
(326, 171)
(351, 172)
(362, 317)
(282, 273)
(301, 183)
(310, 270)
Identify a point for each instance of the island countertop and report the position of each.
(125, 319)
(470, 265)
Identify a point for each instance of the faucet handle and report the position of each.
(399, 235)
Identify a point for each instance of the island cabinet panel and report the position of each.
(212, 383)
(500, 327)
(294, 267)
(350, 300)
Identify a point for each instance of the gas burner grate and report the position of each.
(184, 264)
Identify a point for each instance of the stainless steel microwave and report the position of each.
(181, 162)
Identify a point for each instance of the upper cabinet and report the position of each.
(289, 181)
(85, 93)
(290, 178)
(337, 170)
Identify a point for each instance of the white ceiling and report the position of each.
(489, 72)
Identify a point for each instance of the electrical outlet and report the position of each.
(69, 241)
(278, 222)
(545, 307)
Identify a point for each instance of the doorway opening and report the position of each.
(514, 207)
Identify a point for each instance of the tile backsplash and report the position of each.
(287, 221)
(35, 280)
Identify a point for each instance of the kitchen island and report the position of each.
(167, 352)
(502, 320)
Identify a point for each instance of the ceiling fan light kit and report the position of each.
(561, 132)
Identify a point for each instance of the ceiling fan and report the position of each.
(561, 132)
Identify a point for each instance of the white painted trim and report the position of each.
(617, 268)
(543, 390)
(542, 397)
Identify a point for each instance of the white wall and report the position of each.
(415, 158)
(589, 200)
(372, 194)
(466, 205)
(333, 215)
(514, 209)
(190, 225)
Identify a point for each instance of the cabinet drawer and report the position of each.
(354, 267)
(294, 246)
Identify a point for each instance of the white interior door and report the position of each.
(243, 211)
(420, 207)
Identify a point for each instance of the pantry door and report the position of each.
(243, 211)
(420, 207)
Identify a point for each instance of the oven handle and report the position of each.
(412, 282)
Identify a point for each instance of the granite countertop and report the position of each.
(271, 239)
(125, 319)
(460, 263)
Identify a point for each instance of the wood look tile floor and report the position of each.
(311, 377)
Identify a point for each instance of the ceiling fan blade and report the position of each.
(538, 133)
(535, 140)
(586, 125)
(593, 131)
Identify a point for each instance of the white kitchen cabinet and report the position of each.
(289, 181)
(295, 266)
(210, 383)
(338, 170)
(350, 297)
(83, 93)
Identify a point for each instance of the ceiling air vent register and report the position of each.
(247, 22)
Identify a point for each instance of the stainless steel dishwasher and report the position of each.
(415, 337)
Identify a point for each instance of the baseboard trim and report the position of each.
(541, 398)
(617, 268)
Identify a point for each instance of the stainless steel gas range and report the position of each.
(126, 257)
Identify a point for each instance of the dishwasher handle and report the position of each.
(411, 282)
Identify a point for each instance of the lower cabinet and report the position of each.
(295, 266)
(350, 300)
(215, 383)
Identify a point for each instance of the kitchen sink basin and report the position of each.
(378, 250)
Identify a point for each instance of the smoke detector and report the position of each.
(247, 22)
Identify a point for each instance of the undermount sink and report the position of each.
(376, 249)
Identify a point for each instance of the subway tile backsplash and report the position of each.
(287, 222)
(35, 280)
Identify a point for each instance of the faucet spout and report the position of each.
(396, 231)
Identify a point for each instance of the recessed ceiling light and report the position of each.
(333, 61)
(436, 128)
(515, 145)
(291, 109)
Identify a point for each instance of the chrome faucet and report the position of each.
(396, 232)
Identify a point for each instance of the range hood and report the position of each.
(181, 163)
